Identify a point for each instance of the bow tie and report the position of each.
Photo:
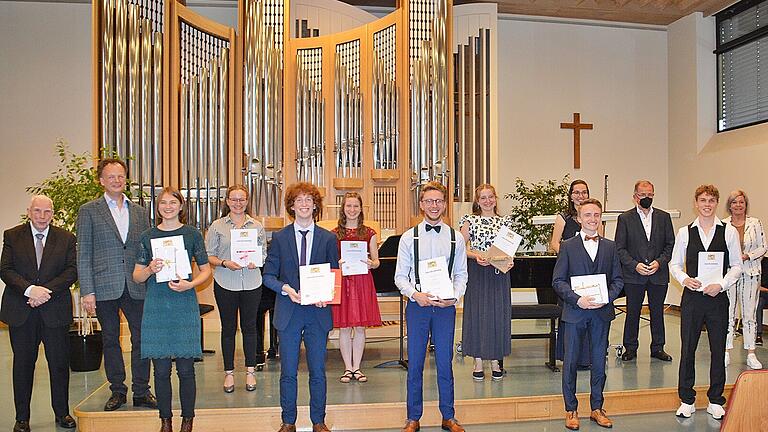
(433, 227)
(588, 238)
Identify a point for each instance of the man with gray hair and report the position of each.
(38, 265)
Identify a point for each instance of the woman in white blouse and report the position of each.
(745, 291)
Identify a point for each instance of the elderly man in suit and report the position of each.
(108, 230)
(586, 254)
(644, 241)
(38, 266)
(300, 243)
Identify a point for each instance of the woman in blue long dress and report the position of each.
(170, 326)
(566, 226)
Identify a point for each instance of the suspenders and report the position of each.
(416, 254)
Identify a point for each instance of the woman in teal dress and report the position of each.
(170, 327)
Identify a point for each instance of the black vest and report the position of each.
(695, 246)
(571, 228)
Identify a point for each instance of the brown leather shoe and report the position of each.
(452, 425)
(572, 420)
(166, 425)
(320, 427)
(285, 427)
(598, 416)
(411, 426)
(186, 424)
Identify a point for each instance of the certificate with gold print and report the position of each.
(434, 278)
(591, 285)
(317, 283)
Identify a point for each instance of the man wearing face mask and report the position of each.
(644, 242)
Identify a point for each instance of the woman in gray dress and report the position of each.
(486, 326)
(170, 327)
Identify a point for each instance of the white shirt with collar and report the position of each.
(590, 245)
(432, 244)
(677, 262)
(310, 237)
(35, 232)
(121, 216)
(647, 220)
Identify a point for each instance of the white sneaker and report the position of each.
(716, 411)
(753, 362)
(727, 358)
(685, 410)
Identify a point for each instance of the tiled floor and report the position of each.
(525, 365)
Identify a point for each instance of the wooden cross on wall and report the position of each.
(577, 126)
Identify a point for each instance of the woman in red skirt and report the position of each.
(359, 307)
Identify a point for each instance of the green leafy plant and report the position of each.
(545, 197)
(73, 184)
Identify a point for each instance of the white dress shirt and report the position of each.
(432, 244)
(590, 245)
(310, 236)
(35, 232)
(677, 263)
(120, 215)
(647, 221)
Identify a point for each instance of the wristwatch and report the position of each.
(222, 263)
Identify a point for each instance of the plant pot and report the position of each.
(85, 352)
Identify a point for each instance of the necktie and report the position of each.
(588, 238)
(303, 255)
(433, 227)
(39, 248)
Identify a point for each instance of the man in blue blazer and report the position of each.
(586, 254)
(300, 243)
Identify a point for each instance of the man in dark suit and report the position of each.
(300, 243)
(108, 230)
(38, 266)
(644, 241)
(586, 254)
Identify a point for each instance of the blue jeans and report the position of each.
(185, 369)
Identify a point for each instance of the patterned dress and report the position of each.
(170, 327)
(486, 326)
(359, 306)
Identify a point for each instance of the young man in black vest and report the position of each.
(704, 303)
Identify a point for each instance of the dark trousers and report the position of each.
(584, 358)
(635, 295)
(267, 303)
(573, 337)
(697, 310)
(305, 326)
(108, 312)
(439, 323)
(185, 369)
(762, 302)
(229, 304)
(25, 343)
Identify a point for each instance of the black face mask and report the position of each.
(646, 202)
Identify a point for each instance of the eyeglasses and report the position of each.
(430, 202)
(303, 200)
(581, 193)
(238, 200)
(644, 195)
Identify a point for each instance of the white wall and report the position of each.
(615, 77)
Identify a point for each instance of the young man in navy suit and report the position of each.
(300, 243)
(586, 254)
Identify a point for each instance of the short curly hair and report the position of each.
(300, 188)
(707, 189)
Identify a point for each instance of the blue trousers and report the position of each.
(573, 338)
(303, 326)
(440, 323)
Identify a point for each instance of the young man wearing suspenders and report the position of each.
(705, 300)
(427, 315)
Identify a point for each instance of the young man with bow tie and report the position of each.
(585, 316)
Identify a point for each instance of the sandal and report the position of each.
(347, 376)
(359, 376)
(250, 387)
(229, 389)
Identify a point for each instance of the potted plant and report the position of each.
(73, 184)
(545, 197)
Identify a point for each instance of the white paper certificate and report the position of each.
(591, 285)
(507, 241)
(316, 283)
(175, 259)
(244, 247)
(710, 269)
(434, 278)
(354, 254)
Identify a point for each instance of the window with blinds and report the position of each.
(742, 37)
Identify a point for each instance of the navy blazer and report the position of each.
(282, 267)
(574, 260)
(634, 247)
